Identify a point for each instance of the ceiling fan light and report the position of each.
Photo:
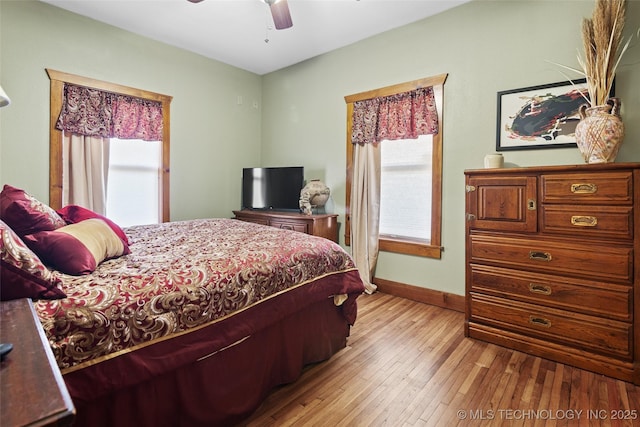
(4, 98)
(280, 13)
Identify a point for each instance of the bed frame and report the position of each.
(228, 386)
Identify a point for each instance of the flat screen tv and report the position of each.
(275, 188)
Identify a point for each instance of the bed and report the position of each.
(195, 322)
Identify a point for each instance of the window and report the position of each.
(405, 189)
(133, 190)
(411, 180)
(57, 81)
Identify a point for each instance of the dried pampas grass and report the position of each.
(602, 42)
(602, 38)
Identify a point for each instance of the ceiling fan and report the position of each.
(279, 12)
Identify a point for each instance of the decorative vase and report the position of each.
(600, 132)
(315, 194)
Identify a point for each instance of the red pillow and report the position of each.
(77, 248)
(22, 274)
(24, 214)
(74, 213)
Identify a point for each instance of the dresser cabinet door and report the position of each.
(502, 203)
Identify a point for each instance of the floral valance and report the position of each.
(93, 112)
(401, 116)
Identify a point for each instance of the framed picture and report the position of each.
(539, 117)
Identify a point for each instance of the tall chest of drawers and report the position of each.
(553, 265)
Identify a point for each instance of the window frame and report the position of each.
(408, 246)
(57, 81)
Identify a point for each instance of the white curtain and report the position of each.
(365, 211)
(85, 168)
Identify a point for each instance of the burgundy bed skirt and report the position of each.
(228, 386)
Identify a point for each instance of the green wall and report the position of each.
(484, 46)
(212, 137)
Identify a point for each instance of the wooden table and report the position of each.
(32, 391)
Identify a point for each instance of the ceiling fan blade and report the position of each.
(281, 15)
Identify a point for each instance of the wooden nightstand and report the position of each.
(32, 391)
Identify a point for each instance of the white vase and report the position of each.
(493, 161)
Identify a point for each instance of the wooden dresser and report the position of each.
(553, 263)
(32, 391)
(324, 225)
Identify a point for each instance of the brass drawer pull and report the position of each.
(584, 188)
(584, 221)
(540, 321)
(537, 288)
(540, 256)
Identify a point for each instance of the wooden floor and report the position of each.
(409, 364)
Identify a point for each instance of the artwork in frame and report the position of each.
(539, 117)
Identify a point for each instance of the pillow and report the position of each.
(26, 215)
(22, 274)
(74, 213)
(77, 248)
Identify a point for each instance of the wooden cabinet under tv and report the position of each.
(553, 263)
(321, 225)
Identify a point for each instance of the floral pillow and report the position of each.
(24, 214)
(22, 274)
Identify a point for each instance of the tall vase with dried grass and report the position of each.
(600, 131)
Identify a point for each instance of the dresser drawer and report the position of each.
(260, 221)
(583, 221)
(607, 337)
(596, 262)
(592, 188)
(583, 296)
(290, 225)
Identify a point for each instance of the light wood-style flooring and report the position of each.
(409, 364)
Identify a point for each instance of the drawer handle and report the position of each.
(540, 321)
(537, 288)
(286, 227)
(584, 188)
(540, 256)
(584, 221)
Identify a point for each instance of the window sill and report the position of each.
(408, 247)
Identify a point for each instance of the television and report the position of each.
(275, 188)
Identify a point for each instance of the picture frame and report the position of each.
(540, 117)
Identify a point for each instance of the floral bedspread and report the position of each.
(180, 276)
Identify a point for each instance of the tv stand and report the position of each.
(324, 225)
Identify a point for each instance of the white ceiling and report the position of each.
(235, 31)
